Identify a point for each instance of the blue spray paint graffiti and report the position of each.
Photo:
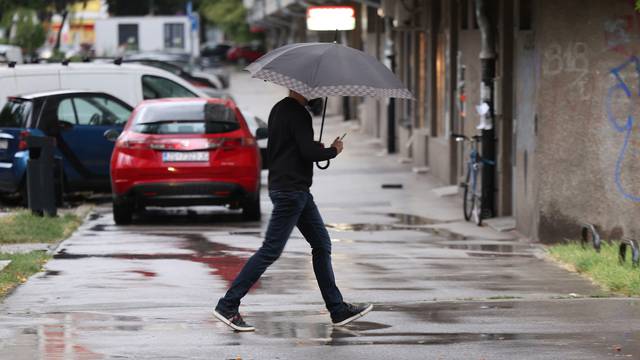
(621, 88)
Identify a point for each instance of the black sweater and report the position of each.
(291, 148)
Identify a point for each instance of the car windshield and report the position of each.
(16, 113)
(185, 118)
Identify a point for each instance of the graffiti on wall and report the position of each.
(573, 60)
(622, 115)
(622, 32)
(618, 33)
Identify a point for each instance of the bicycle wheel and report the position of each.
(468, 198)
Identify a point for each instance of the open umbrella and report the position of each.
(328, 69)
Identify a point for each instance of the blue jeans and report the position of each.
(290, 209)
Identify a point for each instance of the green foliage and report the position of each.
(146, 7)
(603, 268)
(24, 227)
(30, 34)
(230, 16)
(21, 268)
(638, 5)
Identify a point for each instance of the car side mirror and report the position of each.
(262, 133)
(112, 135)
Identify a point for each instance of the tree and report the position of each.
(147, 7)
(29, 33)
(230, 16)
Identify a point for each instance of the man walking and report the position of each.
(291, 152)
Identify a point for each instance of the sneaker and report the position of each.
(350, 313)
(233, 320)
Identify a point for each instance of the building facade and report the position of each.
(562, 79)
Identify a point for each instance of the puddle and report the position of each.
(220, 258)
(403, 222)
(247, 233)
(499, 255)
(428, 338)
(50, 273)
(362, 227)
(145, 273)
(484, 247)
(394, 227)
(408, 219)
(98, 227)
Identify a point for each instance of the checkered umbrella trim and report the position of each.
(333, 90)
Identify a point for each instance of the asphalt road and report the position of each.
(441, 288)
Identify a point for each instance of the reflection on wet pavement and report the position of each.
(221, 258)
(398, 265)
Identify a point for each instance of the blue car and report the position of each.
(84, 124)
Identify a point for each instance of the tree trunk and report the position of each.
(64, 18)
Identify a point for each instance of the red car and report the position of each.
(186, 152)
(244, 54)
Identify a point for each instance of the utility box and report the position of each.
(41, 182)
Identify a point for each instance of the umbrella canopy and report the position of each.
(328, 69)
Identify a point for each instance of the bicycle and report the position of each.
(472, 198)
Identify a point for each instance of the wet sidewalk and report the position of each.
(442, 288)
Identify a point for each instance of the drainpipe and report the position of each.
(488, 63)
(391, 107)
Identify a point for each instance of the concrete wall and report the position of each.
(150, 34)
(588, 144)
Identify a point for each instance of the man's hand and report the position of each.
(337, 143)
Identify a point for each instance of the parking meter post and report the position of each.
(41, 188)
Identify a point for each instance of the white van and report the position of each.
(9, 53)
(132, 83)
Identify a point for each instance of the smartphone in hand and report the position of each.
(343, 135)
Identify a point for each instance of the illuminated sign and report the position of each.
(327, 18)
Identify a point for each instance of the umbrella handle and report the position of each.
(324, 110)
(323, 167)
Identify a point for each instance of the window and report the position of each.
(128, 36)
(16, 114)
(65, 112)
(155, 87)
(100, 111)
(116, 111)
(88, 113)
(174, 36)
(189, 118)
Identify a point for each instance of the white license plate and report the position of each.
(185, 156)
(4, 144)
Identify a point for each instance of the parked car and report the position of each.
(205, 81)
(218, 93)
(184, 152)
(215, 73)
(216, 52)
(131, 83)
(11, 53)
(81, 122)
(245, 54)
